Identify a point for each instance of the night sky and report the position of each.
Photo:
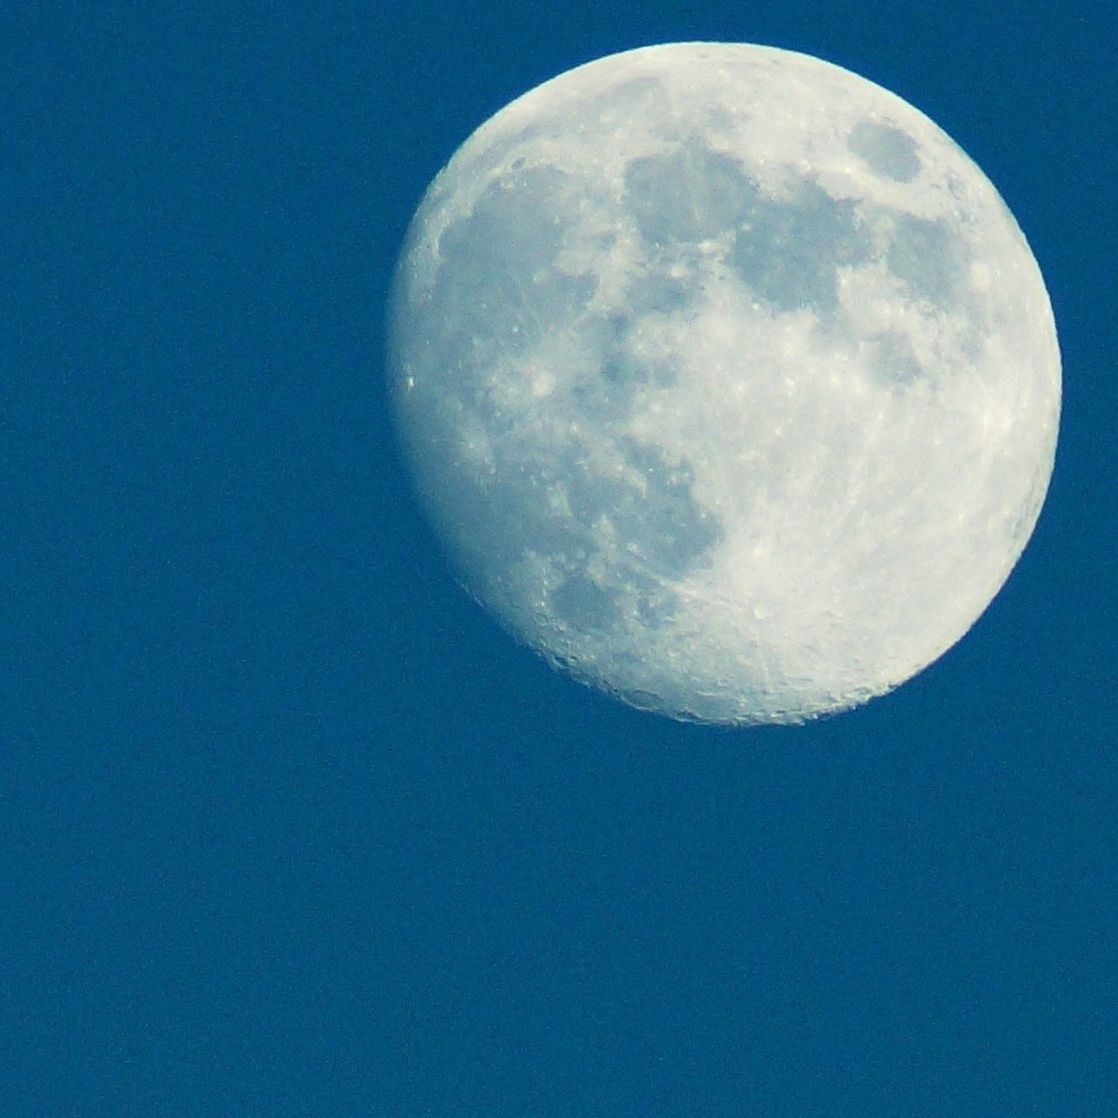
(288, 826)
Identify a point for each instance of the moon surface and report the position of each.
(728, 379)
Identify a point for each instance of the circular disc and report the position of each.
(727, 377)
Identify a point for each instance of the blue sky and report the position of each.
(288, 827)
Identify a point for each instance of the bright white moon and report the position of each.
(728, 378)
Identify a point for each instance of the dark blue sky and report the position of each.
(287, 827)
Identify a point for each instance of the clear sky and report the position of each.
(288, 827)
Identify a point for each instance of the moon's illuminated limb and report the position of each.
(729, 379)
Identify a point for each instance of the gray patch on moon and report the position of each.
(519, 203)
(687, 195)
(893, 361)
(656, 290)
(666, 534)
(622, 374)
(789, 252)
(665, 527)
(653, 512)
(606, 392)
(503, 253)
(582, 603)
(887, 151)
(927, 257)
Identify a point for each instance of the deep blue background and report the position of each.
(287, 827)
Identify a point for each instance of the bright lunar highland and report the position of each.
(727, 377)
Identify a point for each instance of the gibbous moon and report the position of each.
(728, 379)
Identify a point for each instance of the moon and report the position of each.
(728, 379)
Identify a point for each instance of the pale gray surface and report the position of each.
(728, 378)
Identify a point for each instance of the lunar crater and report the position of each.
(886, 150)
